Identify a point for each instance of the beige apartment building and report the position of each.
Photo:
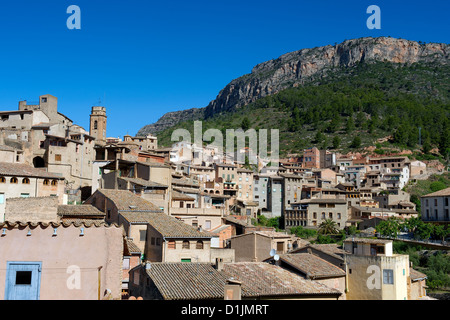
(374, 272)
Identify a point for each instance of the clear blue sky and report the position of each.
(144, 58)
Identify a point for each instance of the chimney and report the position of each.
(219, 264)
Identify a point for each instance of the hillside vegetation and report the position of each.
(349, 108)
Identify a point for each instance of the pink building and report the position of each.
(311, 158)
(60, 261)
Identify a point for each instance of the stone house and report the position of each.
(21, 180)
(113, 202)
(165, 239)
(435, 207)
(257, 245)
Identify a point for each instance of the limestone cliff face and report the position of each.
(296, 68)
(170, 119)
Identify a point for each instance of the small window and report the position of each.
(46, 182)
(58, 157)
(152, 241)
(23, 277)
(13, 180)
(142, 233)
(199, 245)
(186, 245)
(171, 244)
(126, 264)
(2, 180)
(388, 276)
(26, 181)
(54, 182)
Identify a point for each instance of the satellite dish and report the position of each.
(272, 252)
(276, 257)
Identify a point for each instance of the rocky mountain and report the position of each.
(300, 67)
(170, 119)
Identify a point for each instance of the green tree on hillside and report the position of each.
(356, 142)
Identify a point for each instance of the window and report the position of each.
(388, 276)
(142, 233)
(46, 182)
(2, 180)
(280, 246)
(54, 182)
(208, 224)
(2, 198)
(181, 204)
(95, 125)
(199, 245)
(195, 223)
(171, 244)
(13, 180)
(126, 264)
(58, 157)
(24, 195)
(158, 241)
(23, 277)
(186, 260)
(44, 99)
(26, 181)
(186, 245)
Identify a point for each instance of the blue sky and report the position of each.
(144, 58)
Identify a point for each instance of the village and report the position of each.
(87, 217)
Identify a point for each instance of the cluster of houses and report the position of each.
(179, 223)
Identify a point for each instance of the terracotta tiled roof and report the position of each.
(127, 201)
(311, 265)
(267, 279)
(79, 210)
(194, 281)
(187, 281)
(130, 247)
(367, 240)
(181, 196)
(24, 170)
(145, 183)
(440, 193)
(87, 224)
(416, 275)
(167, 226)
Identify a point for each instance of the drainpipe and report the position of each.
(99, 281)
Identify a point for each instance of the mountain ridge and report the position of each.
(300, 67)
